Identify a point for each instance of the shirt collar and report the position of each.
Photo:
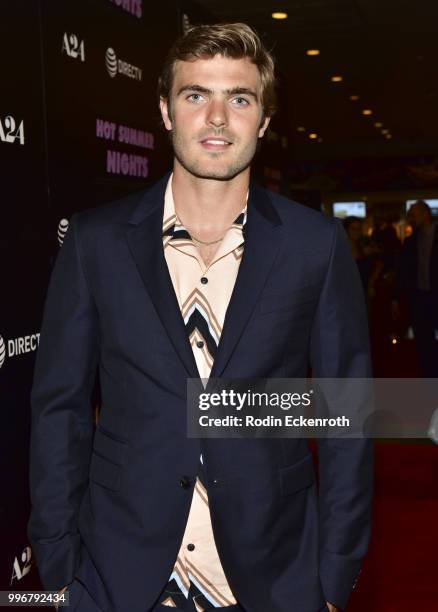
(173, 227)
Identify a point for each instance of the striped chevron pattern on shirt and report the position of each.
(203, 293)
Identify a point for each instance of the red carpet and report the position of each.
(400, 573)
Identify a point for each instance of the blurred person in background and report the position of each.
(388, 243)
(417, 280)
(365, 253)
(383, 329)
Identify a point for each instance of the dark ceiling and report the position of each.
(386, 52)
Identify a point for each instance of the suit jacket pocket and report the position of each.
(105, 472)
(107, 458)
(298, 476)
(109, 446)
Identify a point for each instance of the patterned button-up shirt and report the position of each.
(203, 293)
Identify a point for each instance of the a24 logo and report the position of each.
(11, 131)
(22, 565)
(73, 47)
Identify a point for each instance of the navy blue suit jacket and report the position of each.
(108, 509)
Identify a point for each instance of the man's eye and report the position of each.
(195, 97)
(241, 101)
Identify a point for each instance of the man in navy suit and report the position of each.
(204, 274)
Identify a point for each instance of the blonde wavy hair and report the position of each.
(233, 40)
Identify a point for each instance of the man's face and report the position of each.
(215, 116)
(417, 216)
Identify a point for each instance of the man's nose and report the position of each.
(217, 114)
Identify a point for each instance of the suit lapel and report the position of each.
(262, 240)
(146, 246)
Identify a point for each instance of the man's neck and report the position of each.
(207, 207)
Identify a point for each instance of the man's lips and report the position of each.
(215, 143)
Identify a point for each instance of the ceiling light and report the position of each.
(385, 131)
(354, 97)
(388, 136)
(378, 124)
(367, 111)
(336, 78)
(279, 15)
(313, 52)
(300, 128)
(313, 136)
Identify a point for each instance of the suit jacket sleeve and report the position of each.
(62, 420)
(340, 349)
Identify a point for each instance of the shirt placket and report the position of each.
(191, 555)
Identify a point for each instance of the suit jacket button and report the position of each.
(185, 482)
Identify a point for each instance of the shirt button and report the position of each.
(190, 547)
(200, 344)
(185, 482)
(204, 280)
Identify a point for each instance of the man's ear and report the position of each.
(264, 126)
(165, 113)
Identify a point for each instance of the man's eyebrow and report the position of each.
(229, 92)
(197, 88)
(241, 90)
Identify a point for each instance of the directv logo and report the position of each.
(62, 230)
(18, 346)
(2, 351)
(111, 62)
(116, 66)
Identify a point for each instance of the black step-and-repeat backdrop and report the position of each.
(79, 125)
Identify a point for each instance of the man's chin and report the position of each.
(214, 175)
(207, 172)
